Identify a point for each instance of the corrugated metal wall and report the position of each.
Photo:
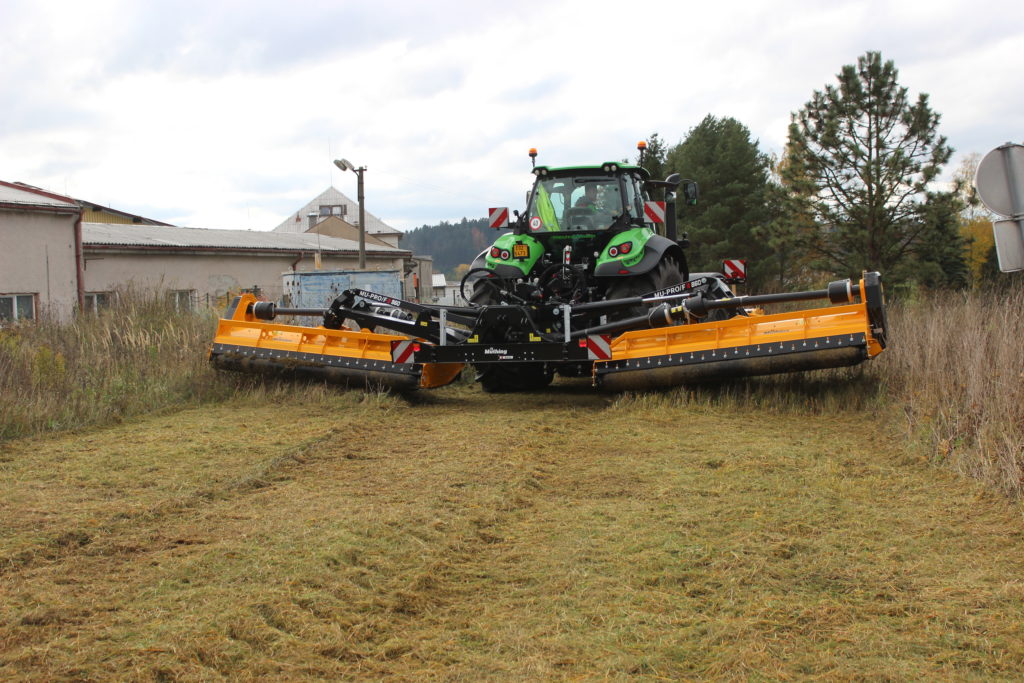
(319, 288)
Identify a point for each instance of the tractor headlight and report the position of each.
(620, 249)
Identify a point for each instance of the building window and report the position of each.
(98, 301)
(17, 306)
(183, 299)
(333, 209)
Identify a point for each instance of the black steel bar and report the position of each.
(698, 305)
(462, 315)
(430, 331)
(276, 311)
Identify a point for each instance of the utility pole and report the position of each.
(346, 165)
(362, 219)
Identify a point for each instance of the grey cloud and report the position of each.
(61, 165)
(433, 81)
(272, 187)
(27, 113)
(536, 90)
(197, 37)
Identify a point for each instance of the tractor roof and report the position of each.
(595, 169)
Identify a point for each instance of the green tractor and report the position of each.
(589, 234)
(591, 281)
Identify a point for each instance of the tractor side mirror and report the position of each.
(691, 192)
(673, 179)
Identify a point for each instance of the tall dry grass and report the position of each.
(952, 379)
(139, 356)
(956, 369)
(953, 376)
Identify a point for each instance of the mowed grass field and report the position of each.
(460, 536)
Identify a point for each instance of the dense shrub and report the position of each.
(139, 356)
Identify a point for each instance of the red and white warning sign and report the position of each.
(735, 269)
(599, 346)
(536, 223)
(403, 351)
(498, 217)
(655, 211)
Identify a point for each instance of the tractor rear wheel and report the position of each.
(665, 274)
(506, 377)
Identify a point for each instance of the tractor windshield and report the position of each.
(575, 203)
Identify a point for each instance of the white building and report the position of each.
(447, 292)
(40, 254)
(53, 261)
(205, 267)
(331, 202)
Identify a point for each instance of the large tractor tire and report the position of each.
(665, 274)
(506, 377)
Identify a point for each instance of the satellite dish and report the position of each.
(1000, 180)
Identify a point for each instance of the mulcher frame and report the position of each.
(430, 344)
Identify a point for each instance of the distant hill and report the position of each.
(451, 244)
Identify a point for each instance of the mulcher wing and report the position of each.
(428, 345)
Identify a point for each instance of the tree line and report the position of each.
(451, 244)
(855, 189)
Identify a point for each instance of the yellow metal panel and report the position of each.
(343, 343)
(242, 329)
(439, 374)
(745, 331)
(98, 216)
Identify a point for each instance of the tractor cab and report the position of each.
(596, 219)
(586, 198)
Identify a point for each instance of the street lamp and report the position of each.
(346, 165)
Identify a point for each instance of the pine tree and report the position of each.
(733, 176)
(792, 267)
(860, 158)
(940, 258)
(655, 157)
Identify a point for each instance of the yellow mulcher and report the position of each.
(591, 281)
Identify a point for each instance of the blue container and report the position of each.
(318, 288)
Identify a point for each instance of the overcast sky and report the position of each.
(228, 114)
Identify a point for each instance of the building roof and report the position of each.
(96, 209)
(437, 280)
(104, 235)
(298, 221)
(29, 196)
(335, 226)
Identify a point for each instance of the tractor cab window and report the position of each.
(634, 199)
(575, 203)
